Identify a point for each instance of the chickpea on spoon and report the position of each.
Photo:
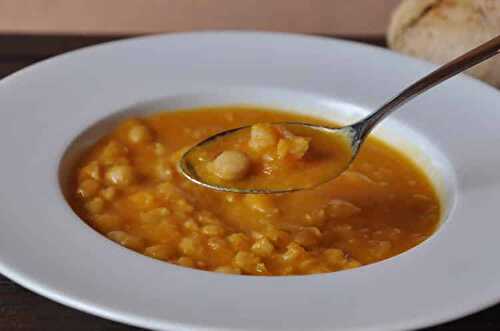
(286, 157)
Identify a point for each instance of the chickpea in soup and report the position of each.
(128, 187)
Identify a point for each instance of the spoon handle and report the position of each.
(462, 63)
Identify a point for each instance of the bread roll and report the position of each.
(440, 30)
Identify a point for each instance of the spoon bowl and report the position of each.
(336, 146)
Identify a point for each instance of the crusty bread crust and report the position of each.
(440, 30)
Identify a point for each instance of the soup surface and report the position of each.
(128, 188)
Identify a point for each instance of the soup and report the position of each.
(128, 187)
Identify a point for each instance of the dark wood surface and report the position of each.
(21, 309)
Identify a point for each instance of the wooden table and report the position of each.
(21, 309)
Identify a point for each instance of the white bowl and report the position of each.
(451, 132)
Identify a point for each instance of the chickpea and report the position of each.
(142, 200)
(380, 248)
(95, 206)
(112, 152)
(334, 256)
(248, 262)
(191, 225)
(126, 240)
(107, 222)
(213, 230)
(218, 244)
(163, 171)
(154, 216)
(91, 170)
(185, 262)
(261, 203)
(352, 264)
(191, 246)
(139, 134)
(181, 206)
(300, 146)
(108, 193)
(263, 247)
(262, 137)
(159, 149)
(307, 237)
(231, 165)
(293, 252)
(120, 175)
(341, 209)
(160, 252)
(239, 241)
(295, 147)
(88, 188)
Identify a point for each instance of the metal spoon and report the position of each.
(357, 132)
